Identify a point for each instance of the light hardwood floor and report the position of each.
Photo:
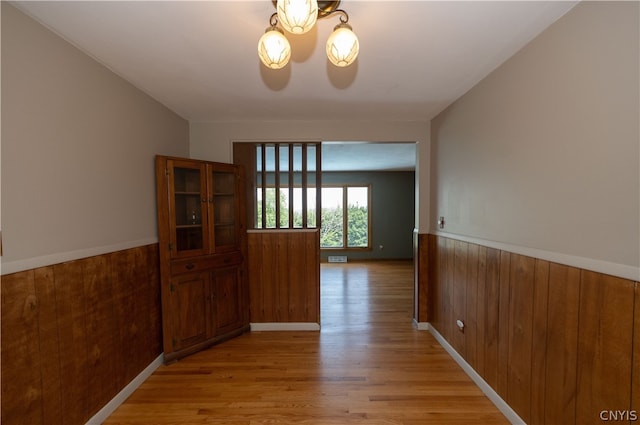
(367, 365)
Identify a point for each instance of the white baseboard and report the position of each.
(282, 326)
(120, 398)
(421, 326)
(502, 405)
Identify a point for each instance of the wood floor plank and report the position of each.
(367, 365)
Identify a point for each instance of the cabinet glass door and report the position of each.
(188, 206)
(225, 210)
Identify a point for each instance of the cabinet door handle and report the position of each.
(204, 200)
(189, 266)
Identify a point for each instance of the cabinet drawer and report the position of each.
(205, 263)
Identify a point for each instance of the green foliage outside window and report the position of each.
(284, 211)
(333, 222)
(357, 226)
(331, 232)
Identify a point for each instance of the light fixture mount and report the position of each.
(325, 8)
(298, 17)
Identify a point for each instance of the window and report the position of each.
(270, 217)
(286, 176)
(342, 229)
(282, 194)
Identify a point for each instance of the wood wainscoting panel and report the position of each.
(471, 318)
(434, 283)
(130, 277)
(503, 324)
(285, 259)
(312, 273)
(74, 367)
(635, 375)
(491, 337)
(296, 297)
(257, 303)
(48, 336)
(539, 341)
(75, 334)
(284, 276)
(562, 344)
(22, 398)
(448, 290)
(521, 291)
(422, 267)
(459, 294)
(604, 346)
(558, 343)
(102, 332)
(481, 312)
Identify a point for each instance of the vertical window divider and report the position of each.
(345, 217)
(264, 185)
(277, 181)
(304, 186)
(318, 186)
(291, 172)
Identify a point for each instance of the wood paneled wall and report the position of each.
(421, 267)
(75, 334)
(284, 276)
(559, 344)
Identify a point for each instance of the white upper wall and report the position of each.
(78, 147)
(544, 152)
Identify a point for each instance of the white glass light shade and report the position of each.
(297, 16)
(274, 49)
(342, 46)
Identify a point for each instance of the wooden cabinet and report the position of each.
(206, 305)
(202, 238)
(203, 206)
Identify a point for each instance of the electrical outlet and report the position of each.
(441, 222)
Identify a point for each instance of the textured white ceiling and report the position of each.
(199, 58)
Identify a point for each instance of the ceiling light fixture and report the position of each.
(298, 17)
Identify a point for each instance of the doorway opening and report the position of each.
(358, 197)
